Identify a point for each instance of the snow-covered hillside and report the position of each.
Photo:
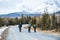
(50, 5)
(40, 5)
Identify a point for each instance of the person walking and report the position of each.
(20, 26)
(34, 26)
(29, 27)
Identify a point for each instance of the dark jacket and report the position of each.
(20, 25)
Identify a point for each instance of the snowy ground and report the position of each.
(14, 34)
(1, 30)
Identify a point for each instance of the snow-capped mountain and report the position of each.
(19, 14)
(50, 6)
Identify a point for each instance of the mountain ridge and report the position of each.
(18, 14)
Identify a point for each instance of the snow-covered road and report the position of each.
(14, 34)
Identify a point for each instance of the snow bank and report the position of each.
(25, 26)
(2, 30)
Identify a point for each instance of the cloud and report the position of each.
(8, 6)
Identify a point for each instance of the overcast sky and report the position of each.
(9, 6)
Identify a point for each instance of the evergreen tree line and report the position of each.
(49, 22)
(7, 21)
(14, 21)
(46, 21)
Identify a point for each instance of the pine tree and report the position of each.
(45, 21)
(21, 19)
(33, 21)
(54, 21)
(17, 21)
(0, 21)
